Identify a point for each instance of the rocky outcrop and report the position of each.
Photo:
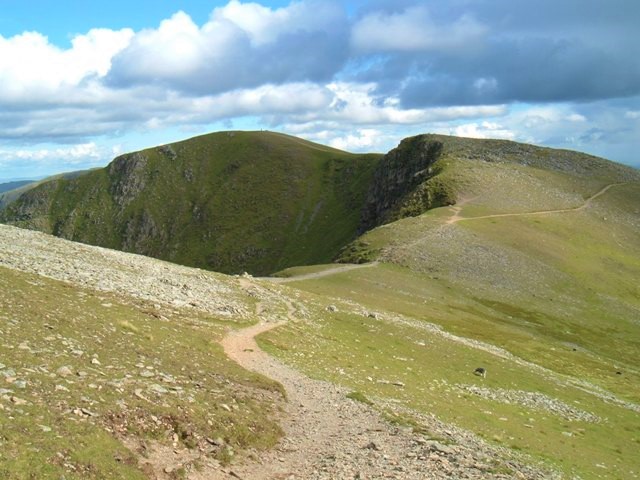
(401, 184)
(128, 174)
(32, 211)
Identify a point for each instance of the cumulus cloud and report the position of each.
(414, 30)
(242, 45)
(482, 130)
(76, 152)
(565, 74)
(33, 70)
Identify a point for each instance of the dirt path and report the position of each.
(455, 217)
(328, 436)
(324, 273)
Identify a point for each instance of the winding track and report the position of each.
(324, 431)
(324, 273)
(457, 209)
(319, 422)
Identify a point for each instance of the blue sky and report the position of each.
(81, 82)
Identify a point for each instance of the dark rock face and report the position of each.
(129, 177)
(399, 188)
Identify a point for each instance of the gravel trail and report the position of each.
(329, 436)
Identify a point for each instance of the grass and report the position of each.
(370, 356)
(143, 373)
(558, 291)
(359, 397)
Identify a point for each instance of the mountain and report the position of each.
(11, 191)
(461, 254)
(229, 202)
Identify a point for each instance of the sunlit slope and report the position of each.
(539, 255)
(564, 261)
(10, 192)
(230, 201)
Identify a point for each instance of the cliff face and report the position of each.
(401, 185)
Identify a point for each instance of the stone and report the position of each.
(20, 384)
(159, 389)
(64, 371)
(439, 447)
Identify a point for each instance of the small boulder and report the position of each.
(64, 371)
(480, 371)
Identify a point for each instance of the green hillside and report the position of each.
(10, 192)
(533, 271)
(229, 202)
(522, 260)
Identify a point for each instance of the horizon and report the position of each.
(83, 85)
(4, 180)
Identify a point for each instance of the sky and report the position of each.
(82, 82)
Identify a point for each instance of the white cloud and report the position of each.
(263, 25)
(414, 30)
(32, 69)
(358, 104)
(482, 130)
(362, 139)
(81, 152)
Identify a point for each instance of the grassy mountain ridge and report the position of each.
(10, 192)
(264, 201)
(230, 201)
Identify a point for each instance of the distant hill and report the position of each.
(11, 191)
(230, 201)
(5, 187)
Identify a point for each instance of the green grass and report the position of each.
(369, 356)
(359, 397)
(143, 372)
(559, 291)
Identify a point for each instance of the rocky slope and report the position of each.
(404, 183)
(158, 403)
